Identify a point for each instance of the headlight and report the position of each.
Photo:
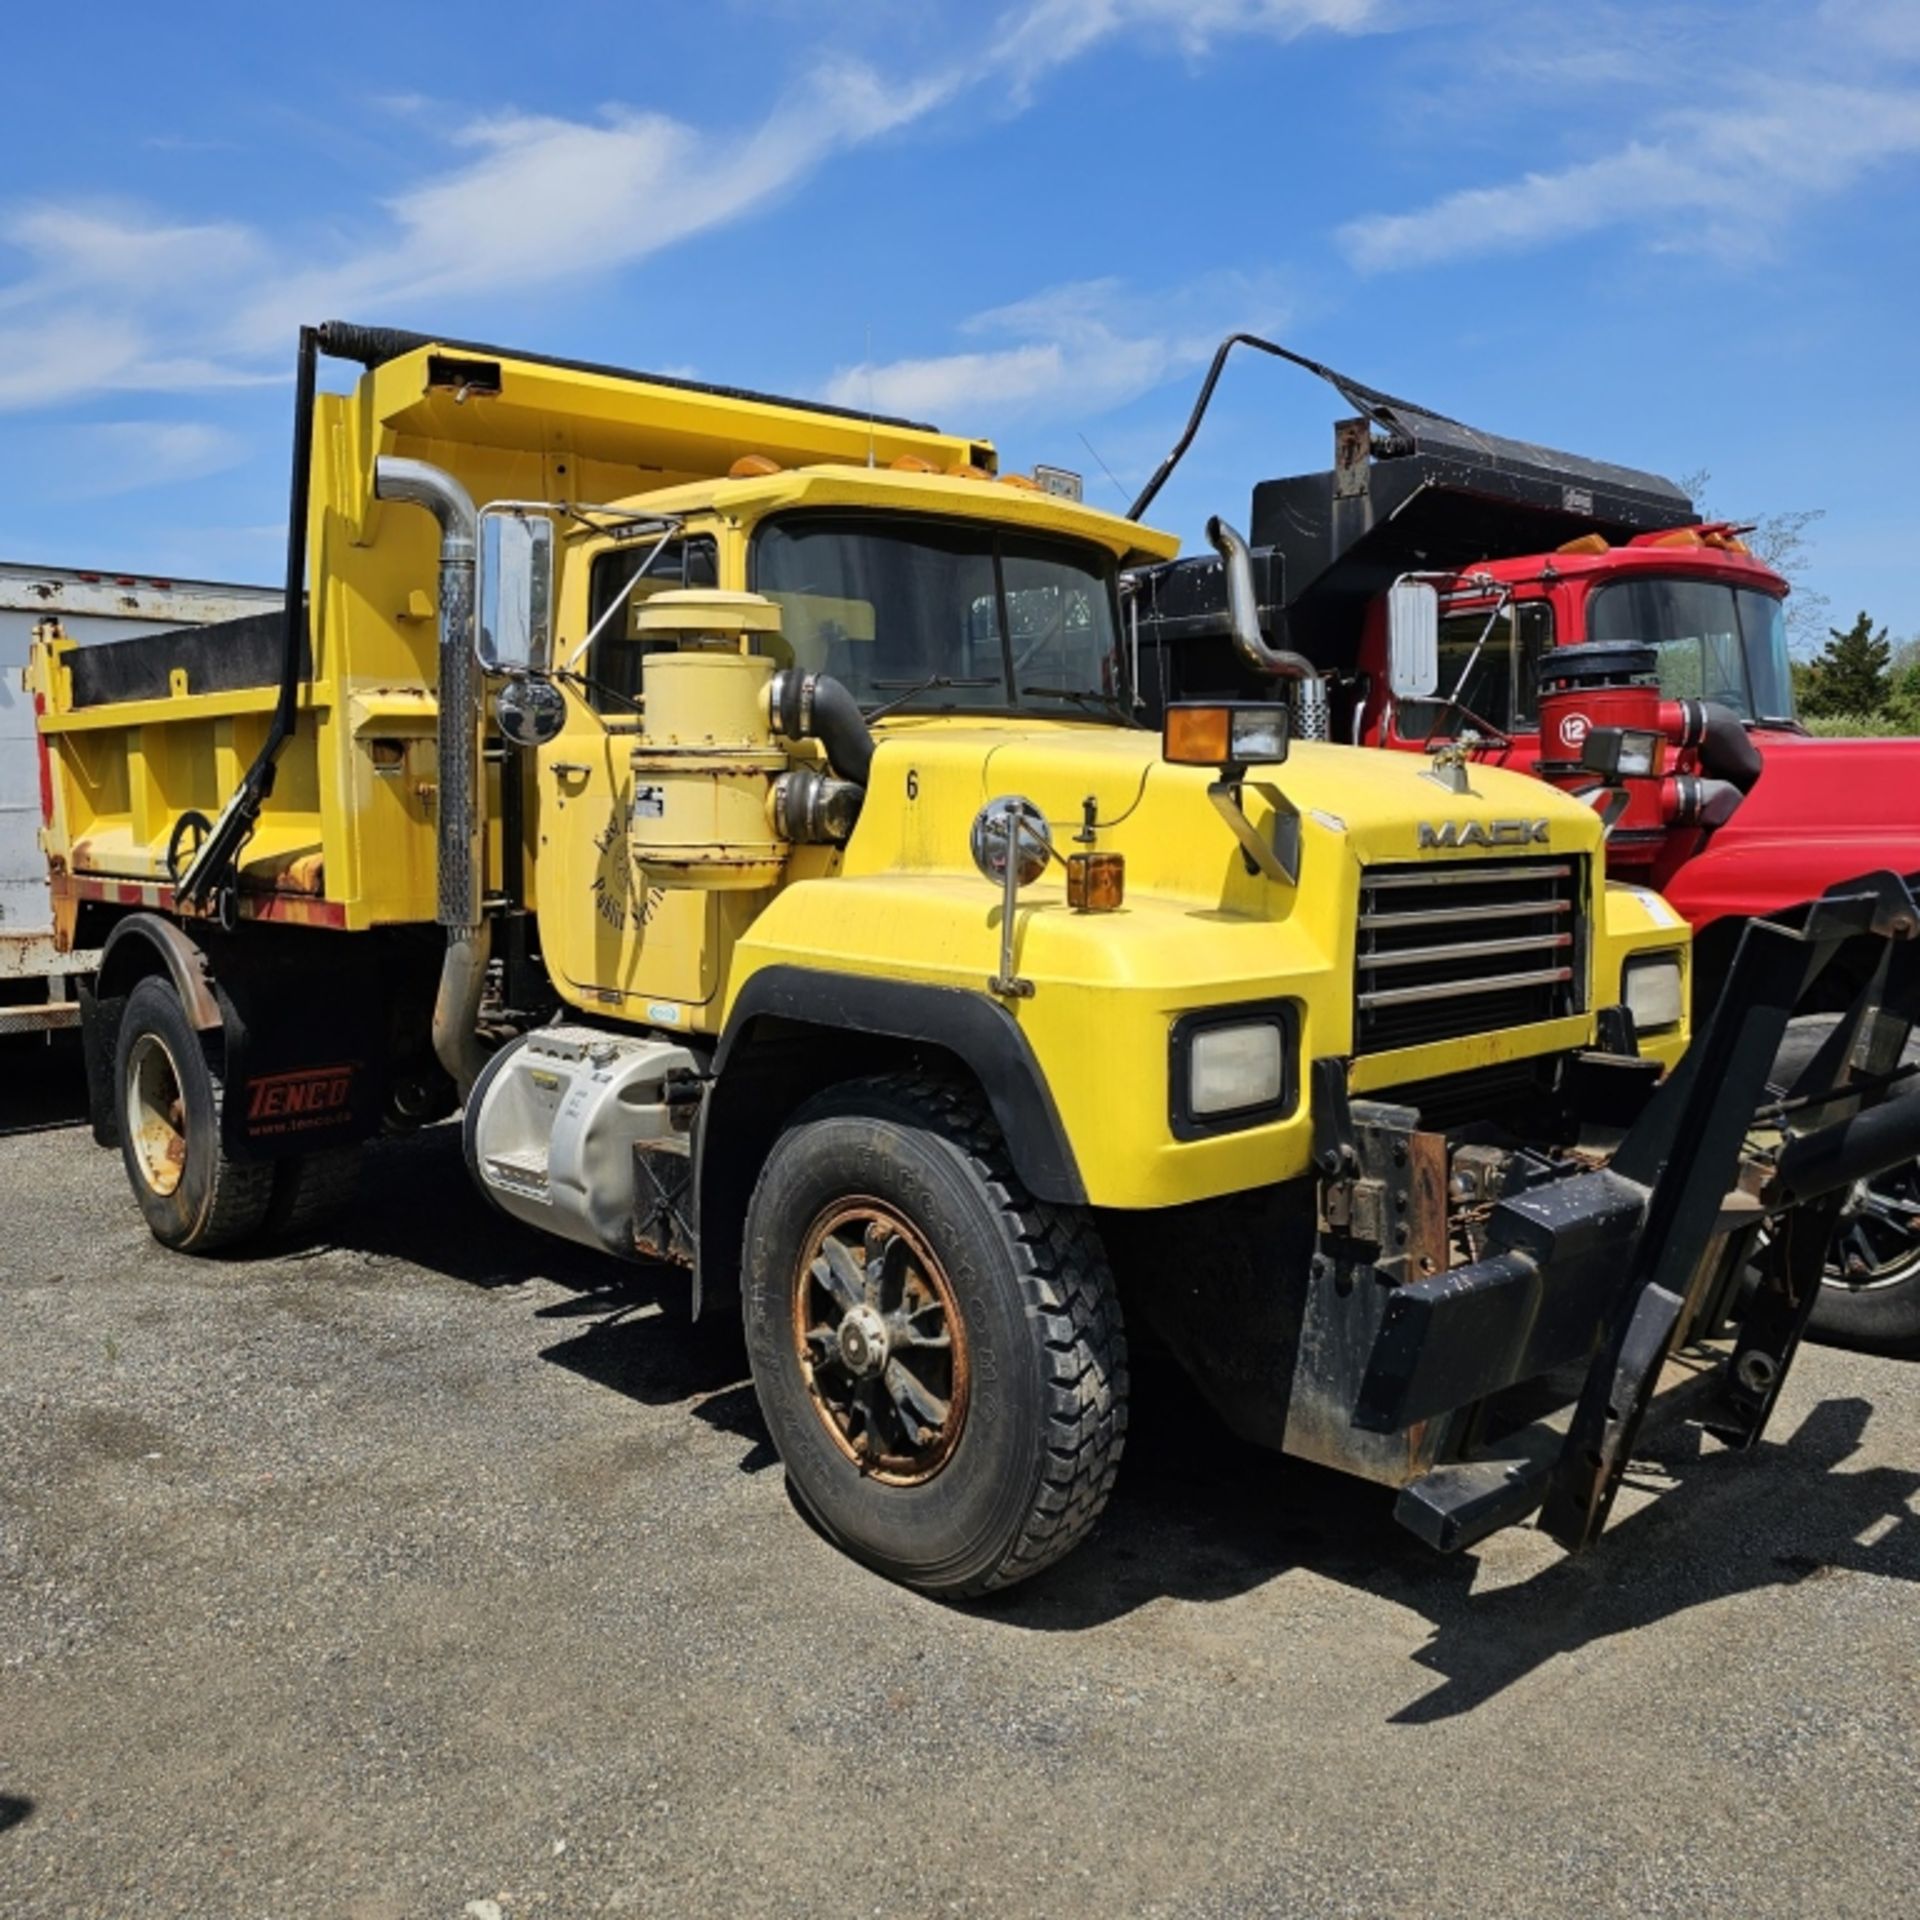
(1652, 991)
(1623, 753)
(1233, 1067)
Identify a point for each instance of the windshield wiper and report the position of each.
(914, 688)
(1107, 703)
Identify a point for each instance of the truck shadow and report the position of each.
(1732, 1525)
(1195, 1516)
(625, 1327)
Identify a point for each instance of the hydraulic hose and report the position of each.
(1362, 399)
(213, 866)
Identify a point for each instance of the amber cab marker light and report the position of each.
(1096, 882)
(1195, 736)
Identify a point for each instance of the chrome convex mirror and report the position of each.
(1011, 844)
(1413, 639)
(530, 712)
(514, 633)
(1011, 821)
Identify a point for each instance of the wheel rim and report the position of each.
(156, 1114)
(1877, 1240)
(880, 1341)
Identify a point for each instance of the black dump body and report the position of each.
(1410, 491)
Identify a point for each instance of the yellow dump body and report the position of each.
(347, 837)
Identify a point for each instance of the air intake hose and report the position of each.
(1720, 737)
(815, 706)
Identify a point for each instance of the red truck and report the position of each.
(1511, 604)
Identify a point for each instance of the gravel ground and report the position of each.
(436, 1572)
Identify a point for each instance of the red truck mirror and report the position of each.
(1413, 639)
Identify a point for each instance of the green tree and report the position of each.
(1851, 675)
(1903, 702)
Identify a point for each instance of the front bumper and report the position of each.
(1598, 1272)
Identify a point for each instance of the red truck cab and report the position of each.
(1819, 811)
(1570, 593)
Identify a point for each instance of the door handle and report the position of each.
(569, 769)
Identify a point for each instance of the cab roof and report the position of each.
(670, 445)
(947, 496)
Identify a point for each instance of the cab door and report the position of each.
(648, 954)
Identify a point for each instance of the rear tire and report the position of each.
(1870, 1290)
(168, 1099)
(947, 1382)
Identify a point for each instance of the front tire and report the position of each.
(168, 1099)
(1870, 1288)
(938, 1355)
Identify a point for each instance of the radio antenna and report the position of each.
(871, 461)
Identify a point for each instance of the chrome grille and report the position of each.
(1450, 947)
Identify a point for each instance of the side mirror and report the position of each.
(514, 632)
(1413, 639)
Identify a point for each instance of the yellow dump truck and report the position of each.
(739, 807)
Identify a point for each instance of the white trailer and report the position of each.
(35, 994)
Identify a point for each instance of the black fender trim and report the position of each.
(977, 1031)
(185, 962)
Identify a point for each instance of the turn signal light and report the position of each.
(1096, 882)
(1225, 734)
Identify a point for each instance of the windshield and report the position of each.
(944, 614)
(1716, 642)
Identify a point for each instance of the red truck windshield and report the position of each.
(1716, 642)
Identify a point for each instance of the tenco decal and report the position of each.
(296, 1102)
(1471, 833)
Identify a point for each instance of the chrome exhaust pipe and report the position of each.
(1243, 612)
(456, 1008)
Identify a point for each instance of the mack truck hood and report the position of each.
(1203, 929)
(1367, 806)
(1822, 811)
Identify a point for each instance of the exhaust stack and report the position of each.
(456, 1007)
(1243, 612)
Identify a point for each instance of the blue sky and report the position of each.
(1681, 236)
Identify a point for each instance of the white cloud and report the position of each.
(171, 306)
(1887, 26)
(110, 303)
(1724, 181)
(1074, 351)
(547, 198)
(1046, 34)
(121, 456)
